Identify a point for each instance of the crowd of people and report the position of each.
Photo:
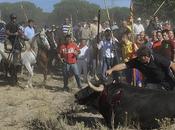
(95, 48)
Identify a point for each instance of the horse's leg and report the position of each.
(43, 63)
(44, 68)
(30, 79)
(13, 74)
(51, 61)
(5, 68)
(30, 70)
(45, 74)
(22, 70)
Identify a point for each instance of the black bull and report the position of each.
(138, 105)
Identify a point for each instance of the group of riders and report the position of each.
(136, 53)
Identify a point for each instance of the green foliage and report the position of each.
(119, 14)
(146, 8)
(79, 10)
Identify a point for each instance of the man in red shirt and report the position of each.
(172, 39)
(68, 53)
(157, 44)
(167, 46)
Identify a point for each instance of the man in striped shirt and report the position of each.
(67, 27)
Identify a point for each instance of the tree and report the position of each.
(79, 10)
(146, 8)
(23, 9)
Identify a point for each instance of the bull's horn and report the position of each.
(96, 78)
(97, 89)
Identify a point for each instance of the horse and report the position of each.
(39, 49)
(36, 53)
(52, 36)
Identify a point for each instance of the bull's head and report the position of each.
(90, 95)
(101, 96)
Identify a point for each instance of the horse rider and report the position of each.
(13, 35)
(13, 32)
(29, 32)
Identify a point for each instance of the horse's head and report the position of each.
(43, 38)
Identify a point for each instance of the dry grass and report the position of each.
(42, 109)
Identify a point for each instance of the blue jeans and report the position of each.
(107, 64)
(129, 75)
(71, 68)
(82, 66)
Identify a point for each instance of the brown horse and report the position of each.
(52, 36)
(42, 57)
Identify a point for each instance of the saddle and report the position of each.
(8, 45)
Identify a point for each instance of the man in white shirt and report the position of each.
(138, 27)
(107, 47)
(83, 58)
(29, 32)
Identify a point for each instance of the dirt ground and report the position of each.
(46, 107)
(40, 107)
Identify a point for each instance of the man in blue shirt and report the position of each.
(107, 48)
(29, 33)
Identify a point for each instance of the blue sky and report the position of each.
(47, 5)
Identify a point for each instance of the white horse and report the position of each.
(29, 56)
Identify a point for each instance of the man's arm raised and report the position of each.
(117, 67)
(172, 66)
